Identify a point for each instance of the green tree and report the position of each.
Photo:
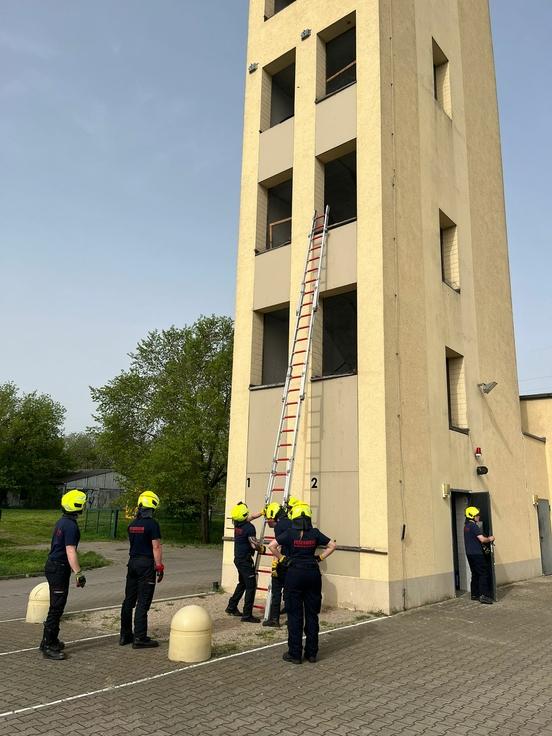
(165, 420)
(32, 454)
(84, 451)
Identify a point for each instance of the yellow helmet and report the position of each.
(73, 501)
(290, 503)
(272, 510)
(148, 500)
(301, 510)
(240, 512)
(472, 512)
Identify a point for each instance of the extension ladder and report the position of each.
(279, 479)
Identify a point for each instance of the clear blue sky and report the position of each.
(120, 147)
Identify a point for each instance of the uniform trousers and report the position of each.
(247, 583)
(139, 589)
(480, 566)
(58, 575)
(303, 596)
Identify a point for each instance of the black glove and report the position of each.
(81, 580)
(160, 571)
(318, 558)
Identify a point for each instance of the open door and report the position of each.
(483, 503)
(543, 511)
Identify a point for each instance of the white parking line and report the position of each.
(118, 605)
(75, 641)
(122, 685)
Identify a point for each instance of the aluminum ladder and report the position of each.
(279, 478)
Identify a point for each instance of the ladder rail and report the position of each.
(317, 233)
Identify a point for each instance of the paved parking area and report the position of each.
(453, 668)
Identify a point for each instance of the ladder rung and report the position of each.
(262, 608)
(295, 364)
(282, 459)
(299, 376)
(288, 430)
(296, 352)
(306, 304)
(310, 281)
(284, 444)
(316, 247)
(291, 403)
(279, 475)
(311, 270)
(278, 490)
(301, 339)
(264, 569)
(293, 389)
(259, 588)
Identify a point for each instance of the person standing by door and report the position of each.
(478, 559)
(145, 564)
(244, 531)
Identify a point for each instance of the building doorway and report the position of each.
(460, 500)
(543, 511)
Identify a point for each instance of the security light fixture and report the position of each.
(482, 470)
(305, 34)
(486, 388)
(252, 67)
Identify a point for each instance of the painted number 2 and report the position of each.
(314, 482)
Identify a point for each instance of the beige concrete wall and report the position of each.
(336, 120)
(536, 419)
(276, 150)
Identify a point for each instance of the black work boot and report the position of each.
(50, 652)
(233, 612)
(485, 599)
(274, 623)
(125, 639)
(145, 643)
(250, 620)
(288, 658)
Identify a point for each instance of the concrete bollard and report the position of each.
(190, 637)
(39, 602)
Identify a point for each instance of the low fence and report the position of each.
(112, 523)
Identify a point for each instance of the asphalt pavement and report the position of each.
(187, 570)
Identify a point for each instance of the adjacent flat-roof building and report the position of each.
(386, 112)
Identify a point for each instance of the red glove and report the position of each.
(160, 570)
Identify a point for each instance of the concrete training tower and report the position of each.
(386, 111)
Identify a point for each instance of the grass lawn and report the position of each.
(31, 561)
(34, 526)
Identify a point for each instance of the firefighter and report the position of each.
(63, 559)
(303, 583)
(479, 562)
(277, 519)
(145, 568)
(244, 531)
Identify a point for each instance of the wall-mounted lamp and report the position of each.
(445, 490)
(252, 67)
(482, 470)
(486, 388)
(305, 34)
(535, 499)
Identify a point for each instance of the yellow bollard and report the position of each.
(190, 637)
(39, 602)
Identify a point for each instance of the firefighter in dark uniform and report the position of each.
(479, 562)
(144, 566)
(244, 531)
(62, 559)
(277, 519)
(303, 583)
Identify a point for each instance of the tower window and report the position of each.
(456, 391)
(279, 215)
(275, 6)
(339, 338)
(275, 346)
(341, 61)
(441, 79)
(450, 267)
(282, 98)
(340, 188)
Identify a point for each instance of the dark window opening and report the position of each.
(275, 346)
(279, 215)
(274, 6)
(341, 61)
(339, 335)
(340, 188)
(282, 100)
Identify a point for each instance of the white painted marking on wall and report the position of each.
(112, 688)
